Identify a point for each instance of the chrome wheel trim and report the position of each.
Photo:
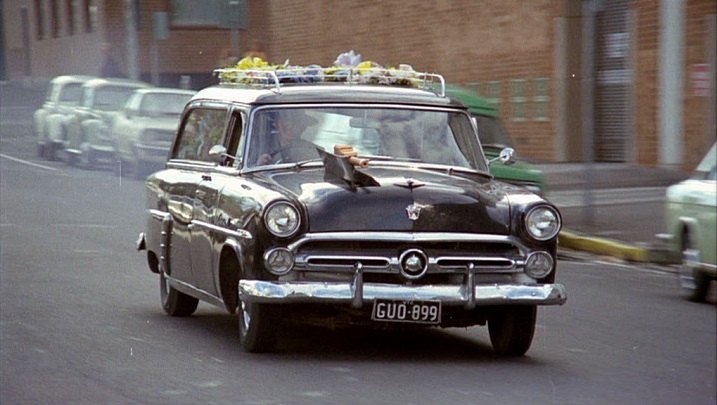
(165, 290)
(687, 268)
(246, 316)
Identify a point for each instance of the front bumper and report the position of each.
(277, 292)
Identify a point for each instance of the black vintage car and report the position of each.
(345, 197)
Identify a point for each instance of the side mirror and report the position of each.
(218, 154)
(506, 156)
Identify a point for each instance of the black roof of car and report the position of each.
(325, 93)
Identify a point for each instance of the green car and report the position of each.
(691, 219)
(494, 138)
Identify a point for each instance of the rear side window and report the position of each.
(203, 128)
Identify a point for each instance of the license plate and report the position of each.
(428, 312)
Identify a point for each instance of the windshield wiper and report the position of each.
(306, 162)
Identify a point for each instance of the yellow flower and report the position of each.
(248, 63)
(367, 67)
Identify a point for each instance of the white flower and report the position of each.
(348, 59)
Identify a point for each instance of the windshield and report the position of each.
(111, 98)
(71, 93)
(387, 134)
(163, 103)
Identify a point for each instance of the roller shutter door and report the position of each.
(613, 84)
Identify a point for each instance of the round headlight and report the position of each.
(279, 261)
(539, 264)
(282, 219)
(542, 223)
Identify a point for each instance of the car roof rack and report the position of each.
(276, 78)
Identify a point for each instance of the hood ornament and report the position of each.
(413, 211)
(411, 184)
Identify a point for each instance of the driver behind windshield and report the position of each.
(288, 145)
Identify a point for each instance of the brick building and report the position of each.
(634, 79)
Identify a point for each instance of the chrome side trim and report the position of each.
(141, 242)
(239, 233)
(189, 289)
(350, 293)
(157, 214)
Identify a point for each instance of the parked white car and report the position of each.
(85, 129)
(64, 93)
(145, 128)
(691, 218)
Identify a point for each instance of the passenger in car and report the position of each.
(396, 140)
(290, 146)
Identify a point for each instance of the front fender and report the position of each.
(231, 263)
(38, 121)
(56, 127)
(95, 131)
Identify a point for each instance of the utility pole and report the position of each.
(586, 106)
(131, 13)
(236, 19)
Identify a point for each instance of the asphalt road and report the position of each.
(80, 322)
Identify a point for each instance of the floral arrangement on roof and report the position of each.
(348, 68)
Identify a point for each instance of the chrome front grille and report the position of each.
(379, 253)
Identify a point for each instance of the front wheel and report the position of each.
(175, 303)
(511, 329)
(257, 326)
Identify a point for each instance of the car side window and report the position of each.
(203, 128)
(132, 105)
(236, 140)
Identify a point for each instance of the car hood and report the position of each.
(443, 202)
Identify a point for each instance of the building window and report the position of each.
(39, 20)
(70, 12)
(89, 15)
(541, 99)
(492, 92)
(475, 86)
(54, 19)
(194, 13)
(518, 100)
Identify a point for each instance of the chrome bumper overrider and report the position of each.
(451, 295)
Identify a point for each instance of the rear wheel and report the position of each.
(50, 151)
(72, 159)
(694, 283)
(175, 303)
(511, 329)
(91, 158)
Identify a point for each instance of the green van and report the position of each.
(494, 138)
